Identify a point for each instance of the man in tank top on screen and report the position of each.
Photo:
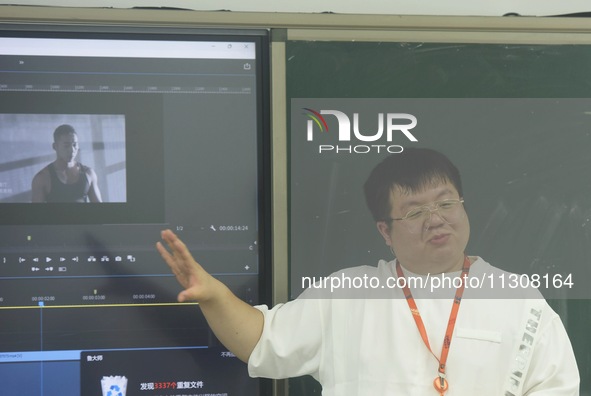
(66, 179)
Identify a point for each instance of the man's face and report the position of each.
(438, 242)
(66, 147)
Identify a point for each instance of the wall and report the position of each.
(399, 7)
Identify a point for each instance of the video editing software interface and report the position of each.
(165, 129)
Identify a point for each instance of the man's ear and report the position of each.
(384, 230)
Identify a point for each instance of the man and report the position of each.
(456, 342)
(65, 179)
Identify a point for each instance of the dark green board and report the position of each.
(543, 215)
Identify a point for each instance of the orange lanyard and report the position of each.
(440, 383)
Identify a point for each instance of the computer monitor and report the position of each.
(109, 134)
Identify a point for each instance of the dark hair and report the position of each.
(62, 130)
(412, 170)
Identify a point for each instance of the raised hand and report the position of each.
(197, 282)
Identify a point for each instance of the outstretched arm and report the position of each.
(235, 323)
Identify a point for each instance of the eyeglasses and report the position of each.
(448, 210)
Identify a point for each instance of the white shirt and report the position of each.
(371, 346)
